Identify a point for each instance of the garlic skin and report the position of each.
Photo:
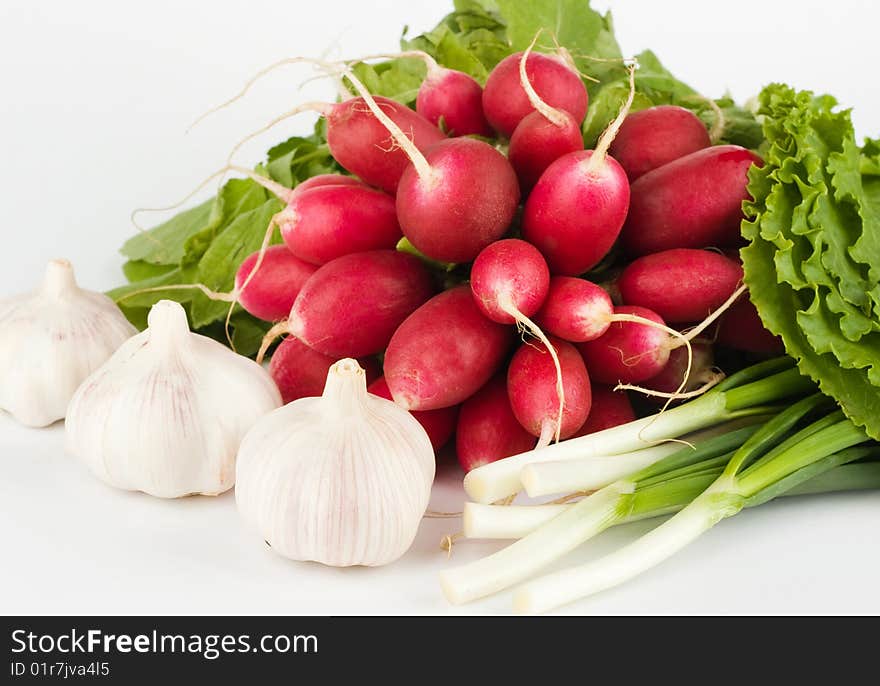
(343, 479)
(166, 413)
(50, 340)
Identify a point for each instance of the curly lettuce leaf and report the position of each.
(811, 205)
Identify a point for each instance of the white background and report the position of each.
(94, 100)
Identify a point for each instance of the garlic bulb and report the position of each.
(343, 479)
(52, 339)
(166, 414)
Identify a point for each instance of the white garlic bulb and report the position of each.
(166, 414)
(50, 340)
(343, 479)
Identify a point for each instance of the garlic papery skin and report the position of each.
(50, 340)
(343, 479)
(166, 413)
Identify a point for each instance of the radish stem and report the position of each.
(553, 115)
(400, 138)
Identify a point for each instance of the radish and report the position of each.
(692, 202)
(509, 281)
(300, 372)
(327, 180)
(487, 429)
(324, 222)
(506, 103)
(578, 310)
(360, 142)
(356, 138)
(350, 307)
(608, 408)
(532, 387)
(629, 351)
(542, 136)
(448, 98)
(682, 284)
(575, 309)
(741, 328)
(270, 294)
(453, 101)
(455, 199)
(674, 380)
(654, 136)
(438, 424)
(576, 210)
(444, 352)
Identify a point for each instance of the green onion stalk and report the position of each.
(724, 474)
(754, 391)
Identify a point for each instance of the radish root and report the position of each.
(527, 324)
(608, 136)
(398, 136)
(279, 329)
(550, 113)
(319, 107)
(250, 82)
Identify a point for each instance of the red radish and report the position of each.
(652, 137)
(628, 351)
(438, 424)
(538, 142)
(452, 101)
(509, 280)
(609, 408)
(459, 201)
(741, 328)
(270, 295)
(487, 429)
(577, 209)
(456, 198)
(692, 202)
(444, 352)
(327, 180)
(575, 309)
(682, 284)
(532, 387)
(301, 372)
(671, 382)
(505, 103)
(351, 306)
(541, 137)
(325, 222)
(362, 144)
(356, 138)
(449, 99)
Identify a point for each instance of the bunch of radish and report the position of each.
(525, 347)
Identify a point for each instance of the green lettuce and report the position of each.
(812, 260)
